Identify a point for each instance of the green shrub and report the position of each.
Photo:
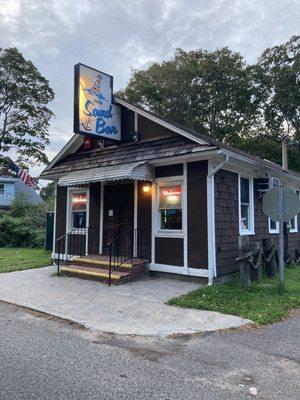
(23, 225)
(17, 232)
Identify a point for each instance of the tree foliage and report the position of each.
(217, 93)
(24, 115)
(47, 193)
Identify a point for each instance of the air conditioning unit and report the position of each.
(262, 186)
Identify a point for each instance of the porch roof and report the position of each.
(125, 153)
(137, 170)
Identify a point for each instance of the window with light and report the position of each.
(79, 207)
(170, 207)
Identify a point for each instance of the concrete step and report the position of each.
(103, 262)
(102, 273)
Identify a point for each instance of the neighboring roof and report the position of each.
(31, 195)
(127, 153)
(20, 187)
(7, 179)
(137, 171)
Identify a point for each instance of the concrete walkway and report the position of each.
(136, 308)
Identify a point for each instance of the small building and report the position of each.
(10, 187)
(182, 198)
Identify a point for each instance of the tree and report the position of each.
(248, 106)
(278, 71)
(24, 115)
(279, 68)
(47, 193)
(210, 91)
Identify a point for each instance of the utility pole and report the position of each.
(281, 210)
(281, 238)
(284, 143)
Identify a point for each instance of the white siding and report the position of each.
(9, 194)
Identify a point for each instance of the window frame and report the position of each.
(250, 230)
(165, 182)
(79, 231)
(295, 218)
(271, 230)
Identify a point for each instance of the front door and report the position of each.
(118, 213)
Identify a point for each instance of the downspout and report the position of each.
(212, 170)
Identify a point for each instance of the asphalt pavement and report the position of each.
(46, 358)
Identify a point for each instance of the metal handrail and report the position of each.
(76, 248)
(61, 237)
(118, 256)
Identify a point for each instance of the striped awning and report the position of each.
(137, 171)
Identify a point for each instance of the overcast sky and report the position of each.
(117, 36)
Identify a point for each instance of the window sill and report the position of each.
(294, 231)
(247, 233)
(273, 232)
(168, 233)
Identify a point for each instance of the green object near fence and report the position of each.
(49, 230)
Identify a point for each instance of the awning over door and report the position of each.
(137, 171)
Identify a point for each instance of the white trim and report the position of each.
(295, 230)
(102, 186)
(273, 231)
(136, 123)
(54, 218)
(62, 256)
(172, 269)
(250, 230)
(69, 209)
(212, 169)
(67, 219)
(168, 181)
(87, 221)
(153, 194)
(185, 219)
(135, 218)
(271, 186)
(211, 247)
(69, 146)
(159, 121)
(196, 156)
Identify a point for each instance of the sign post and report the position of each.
(281, 238)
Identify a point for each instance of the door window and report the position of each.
(170, 207)
(78, 209)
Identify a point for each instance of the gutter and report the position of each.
(211, 234)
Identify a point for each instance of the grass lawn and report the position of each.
(16, 259)
(262, 303)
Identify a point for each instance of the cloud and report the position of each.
(120, 35)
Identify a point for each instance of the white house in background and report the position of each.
(10, 187)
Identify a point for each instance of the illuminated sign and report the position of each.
(79, 200)
(94, 112)
(170, 197)
(172, 191)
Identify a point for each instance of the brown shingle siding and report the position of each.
(227, 223)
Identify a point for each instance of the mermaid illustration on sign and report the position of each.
(92, 93)
(97, 111)
(95, 90)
